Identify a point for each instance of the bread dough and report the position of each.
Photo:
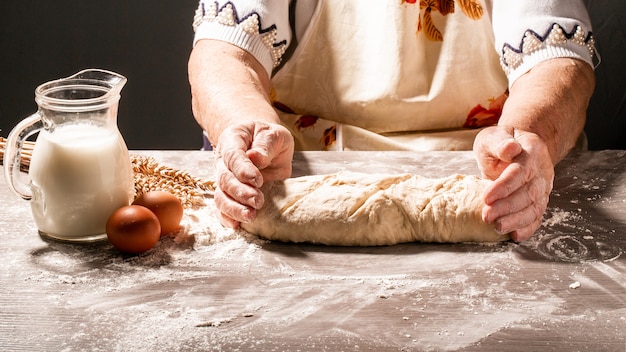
(359, 209)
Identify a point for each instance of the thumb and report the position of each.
(259, 157)
(498, 143)
(496, 148)
(267, 144)
(507, 149)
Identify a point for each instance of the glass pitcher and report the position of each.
(80, 170)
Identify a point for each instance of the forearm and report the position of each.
(551, 101)
(228, 86)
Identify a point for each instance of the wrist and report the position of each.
(553, 109)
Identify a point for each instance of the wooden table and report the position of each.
(213, 289)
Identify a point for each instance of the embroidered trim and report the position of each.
(250, 24)
(512, 57)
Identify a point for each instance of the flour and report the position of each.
(200, 232)
(207, 287)
(203, 226)
(566, 237)
(557, 216)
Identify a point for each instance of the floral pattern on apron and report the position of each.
(363, 77)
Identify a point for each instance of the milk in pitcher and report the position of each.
(75, 179)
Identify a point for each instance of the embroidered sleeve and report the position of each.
(528, 32)
(259, 27)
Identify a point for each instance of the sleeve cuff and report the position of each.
(252, 43)
(534, 50)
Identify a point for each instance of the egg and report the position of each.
(166, 206)
(133, 229)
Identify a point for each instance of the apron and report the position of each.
(391, 75)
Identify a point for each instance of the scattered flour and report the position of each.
(211, 288)
(204, 227)
(557, 216)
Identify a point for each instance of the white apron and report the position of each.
(389, 75)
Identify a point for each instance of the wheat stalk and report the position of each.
(148, 175)
(26, 155)
(152, 176)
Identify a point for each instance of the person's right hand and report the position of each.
(521, 167)
(247, 155)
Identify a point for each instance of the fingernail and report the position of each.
(258, 182)
(248, 215)
(486, 218)
(245, 215)
(255, 202)
(259, 200)
(255, 180)
(500, 228)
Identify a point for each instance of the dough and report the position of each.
(359, 209)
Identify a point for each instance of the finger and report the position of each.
(231, 211)
(510, 180)
(263, 146)
(270, 141)
(496, 148)
(240, 165)
(259, 157)
(272, 152)
(232, 147)
(277, 169)
(263, 142)
(500, 143)
(227, 221)
(518, 221)
(238, 191)
(517, 201)
(508, 149)
(527, 232)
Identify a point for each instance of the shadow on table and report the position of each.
(404, 249)
(68, 258)
(585, 220)
(553, 247)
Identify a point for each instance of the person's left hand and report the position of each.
(521, 168)
(249, 154)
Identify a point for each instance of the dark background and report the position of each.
(606, 116)
(149, 42)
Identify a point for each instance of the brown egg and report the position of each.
(133, 229)
(166, 206)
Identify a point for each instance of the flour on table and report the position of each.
(557, 216)
(202, 228)
(224, 283)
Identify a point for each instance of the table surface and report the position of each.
(209, 288)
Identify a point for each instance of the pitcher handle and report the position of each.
(13, 153)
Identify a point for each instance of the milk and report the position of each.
(80, 174)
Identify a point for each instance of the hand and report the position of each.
(249, 154)
(523, 174)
